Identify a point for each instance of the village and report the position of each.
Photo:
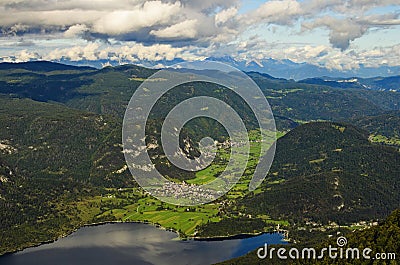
(183, 191)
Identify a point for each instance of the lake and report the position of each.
(134, 243)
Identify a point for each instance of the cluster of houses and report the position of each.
(192, 192)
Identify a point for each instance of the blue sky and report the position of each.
(335, 34)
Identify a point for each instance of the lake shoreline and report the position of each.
(82, 226)
(232, 237)
(158, 226)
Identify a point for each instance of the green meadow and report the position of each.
(135, 205)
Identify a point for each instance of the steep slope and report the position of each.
(329, 172)
(51, 155)
(43, 81)
(383, 238)
(391, 83)
(383, 128)
(107, 91)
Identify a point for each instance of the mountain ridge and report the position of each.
(346, 176)
(278, 68)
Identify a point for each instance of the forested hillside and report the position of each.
(61, 160)
(330, 172)
(50, 155)
(383, 238)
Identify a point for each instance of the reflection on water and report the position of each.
(133, 243)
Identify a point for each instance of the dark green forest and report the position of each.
(383, 238)
(61, 154)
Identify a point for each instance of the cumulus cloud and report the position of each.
(125, 21)
(134, 52)
(203, 21)
(77, 30)
(21, 56)
(380, 56)
(167, 29)
(276, 11)
(76, 53)
(184, 29)
(347, 20)
(225, 15)
(342, 31)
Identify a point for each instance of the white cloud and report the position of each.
(76, 31)
(124, 21)
(184, 29)
(76, 53)
(171, 19)
(194, 29)
(276, 11)
(225, 15)
(342, 31)
(25, 55)
(134, 52)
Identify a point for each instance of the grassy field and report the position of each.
(211, 173)
(183, 219)
(118, 205)
(133, 204)
(385, 140)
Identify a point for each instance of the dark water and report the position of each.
(133, 243)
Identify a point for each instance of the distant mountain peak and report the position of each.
(42, 66)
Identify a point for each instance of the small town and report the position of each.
(192, 192)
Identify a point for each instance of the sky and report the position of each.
(335, 34)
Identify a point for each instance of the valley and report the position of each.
(62, 166)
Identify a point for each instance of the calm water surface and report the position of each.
(134, 243)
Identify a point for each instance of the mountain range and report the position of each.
(278, 68)
(60, 144)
